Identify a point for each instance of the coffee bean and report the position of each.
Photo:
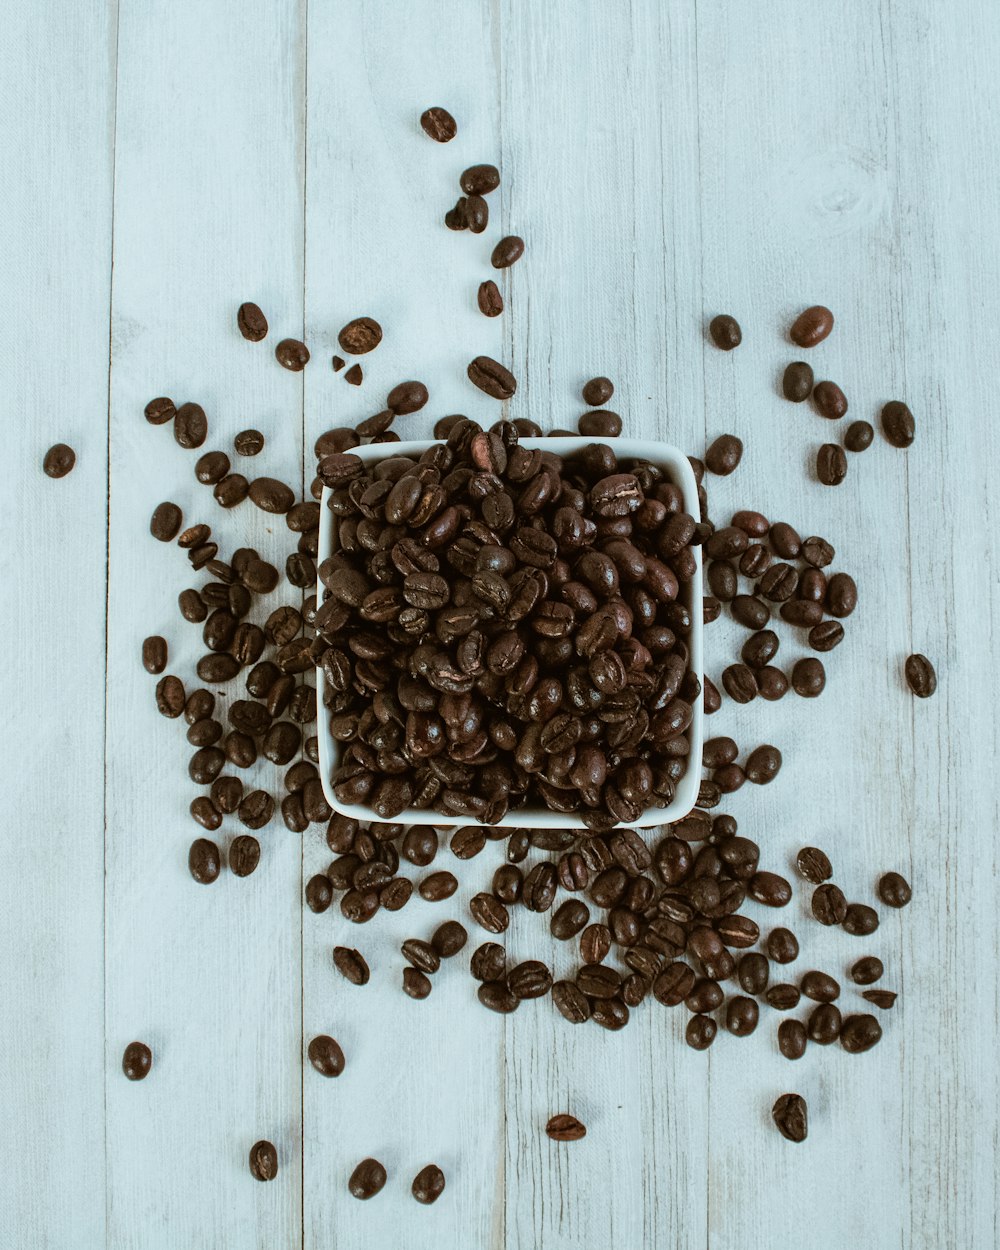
(830, 400)
(811, 326)
(509, 250)
(700, 1032)
(894, 890)
(421, 954)
(753, 972)
(759, 649)
(867, 970)
(571, 1002)
(898, 425)
(244, 855)
(480, 179)
(530, 979)
(826, 635)
(354, 376)
(449, 938)
(841, 595)
(488, 962)
(170, 697)
(859, 436)
(829, 905)
(489, 913)
(154, 654)
(724, 455)
(882, 999)
(405, 398)
(750, 611)
(831, 464)
(673, 984)
(200, 705)
(782, 946)
(808, 677)
(569, 919)
(326, 1056)
(565, 1128)
(789, 1112)
(439, 125)
(351, 965)
(292, 354)
(205, 813)
(137, 1061)
(497, 997)
(725, 332)
(190, 426)
(783, 997)
(770, 889)
(772, 684)
(920, 675)
(256, 809)
(820, 987)
(438, 886)
(249, 443)
(824, 1024)
(814, 865)
(360, 336)
(165, 522)
(489, 299)
(595, 943)
(792, 1038)
(860, 920)
(598, 391)
(540, 887)
(251, 322)
(160, 411)
(742, 1015)
(212, 467)
(263, 1161)
(454, 218)
(270, 495)
(763, 765)
(740, 683)
(59, 460)
(428, 1184)
(797, 381)
(860, 1033)
(194, 536)
(600, 424)
(367, 1179)
(712, 700)
(204, 861)
(492, 378)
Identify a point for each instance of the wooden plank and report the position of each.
(424, 1080)
(209, 212)
(55, 238)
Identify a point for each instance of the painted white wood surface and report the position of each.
(663, 162)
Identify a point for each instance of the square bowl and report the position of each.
(665, 456)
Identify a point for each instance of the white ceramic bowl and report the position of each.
(666, 457)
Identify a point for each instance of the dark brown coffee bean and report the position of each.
(497, 997)
(920, 675)
(454, 218)
(820, 987)
(817, 552)
(200, 705)
(610, 1013)
(421, 954)
(194, 536)
(859, 436)
(829, 905)
(565, 1128)
(428, 1184)
(160, 411)
(861, 920)
(740, 683)
(571, 1002)
(811, 326)
(783, 997)
(354, 376)
(797, 382)
(367, 1179)
(884, 1000)
(204, 861)
(137, 1060)
(742, 1015)
(319, 893)
(437, 886)
(808, 678)
(792, 1038)
(530, 979)
(480, 179)
(826, 636)
(894, 890)
(407, 397)
(569, 919)
(600, 424)
(860, 1033)
(753, 972)
(205, 813)
(244, 855)
(449, 938)
(706, 995)
(749, 611)
(789, 1112)
(673, 984)
(292, 354)
(725, 332)
(256, 809)
(439, 125)
(170, 697)
(351, 965)
(154, 654)
(711, 699)
(770, 889)
(270, 495)
(724, 455)
(831, 464)
(595, 943)
(782, 946)
(326, 1056)
(491, 377)
(488, 962)
(867, 971)
(763, 765)
(59, 460)
(360, 336)
(841, 595)
(772, 684)
(231, 490)
(263, 1161)
(814, 865)
(489, 913)
(251, 322)
(212, 467)
(508, 251)
(898, 425)
(489, 299)
(700, 1032)
(190, 426)
(830, 400)
(165, 522)
(760, 649)
(824, 1024)
(598, 391)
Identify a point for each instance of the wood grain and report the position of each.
(663, 163)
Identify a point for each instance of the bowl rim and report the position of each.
(664, 455)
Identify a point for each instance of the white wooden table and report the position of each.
(165, 161)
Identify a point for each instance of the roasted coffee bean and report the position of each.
(231, 490)
(742, 1015)
(750, 611)
(454, 218)
(673, 984)
(722, 580)
(282, 742)
(154, 654)
(565, 1128)
(824, 1024)
(760, 649)
(488, 962)
(492, 378)
(137, 1060)
(803, 612)
(598, 981)
(497, 997)
(190, 426)
(772, 684)
(360, 336)
(811, 326)
(428, 1184)
(326, 1056)
(724, 455)
(59, 460)
(814, 865)
(920, 676)
(319, 893)
(752, 972)
(830, 400)
(700, 1032)
(194, 536)
(770, 889)
(867, 971)
(860, 1033)
(419, 845)
(205, 813)
(860, 920)
(270, 495)
(438, 886)
(263, 1161)
(829, 905)
(244, 855)
(725, 332)
(160, 411)
(251, 322)
(226, 793)
(735, 930)
(354, 376)
(792, 1038)
(782, 946)
(595, 943)
(826, 636)
(256, 809)
(841, 595)
(763, 765)
(894, 890)
(755, 561)
(831, 464)
(706, 995)
(205, 765)
(202, 555)
(421, 954)
(212, 467)
(367, 1179)
(882, 999)
(610, 1013)
(598, 391)
(797, 381)
(480, 179)
(719, 751)
(540, 887)
(489, 913)
(170, 697)
(569, 919)
(740, 683)
(530, 979)
(165, 522)
(508, 251)
(439, 125)
(449, 938)
(783, 997)
(859, 436)
(779, 583)
(808, 677)
(820, 987)
(600, 424)
(571, 1002)
(407, 397)
(204, 861)
(351, 965)
(711, 699)
(898, 425)
(789, 1112)
(292, 354)
(489, 299)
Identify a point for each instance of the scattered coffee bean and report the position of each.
(205, 813)
(797, 382)
(792, 1038)
(351, 965)
(489, 299)
(428, 1184)
(137, 1061)
(231, 490)
(894, 890)
(882, 999)
(841, 595)
(808, 677)
(783, 997)
(789, 1112)
(860, 920)
(338, 363)
(508, 251)
(820, 987)
(480, 179)
(212, 467)
(160, 411)
(154, 654)
(571, 1002)
(742, 1015)
(867, 970)
(251, 322)
(763, 765)
(814, 865)
(600, 424)
(829, 905)
(249, 443)
(824, 1024)
(204, 861)
(898, 425)
(859, 436)
(354, 376)
(782, 946)
(491, 377)
(753, 972)
(724, 455)
(860, 1033)
(59, 460)
(772, 684)
(326, 1056)
(831, 464)
(170, 697)
(438, 124)
(740, 683)
(830, 400)
(700, 1032)
(360, 336)
(811, 326)
(497, 997)
(565, 1128)
(725, 332)
(270, 495)
(292, 354)
(244, 854)
(407, 397)
(826, 635)
(920, 675)
(598, 391)
(438, 886)
(449, 938)
(165, 522)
